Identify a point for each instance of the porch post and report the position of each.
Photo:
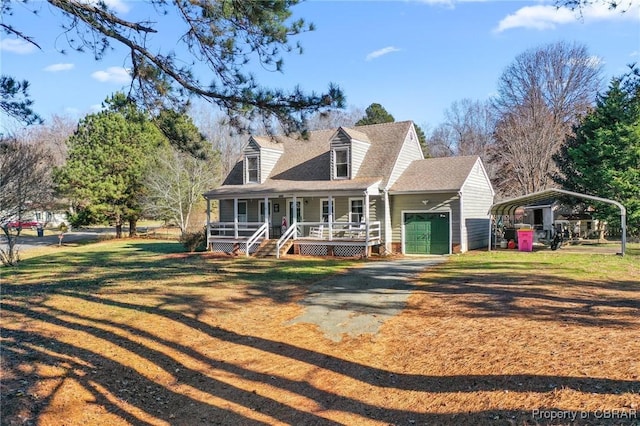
(366, 222)
(388, 232)
(208, 222)
(294, 219)
(267, 219)
(330, 216)
(235, 218)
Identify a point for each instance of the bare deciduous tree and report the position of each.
(467, 130)
(540, 96)
(175, 184)
(53, 134)
(25, 185)
(335, 118)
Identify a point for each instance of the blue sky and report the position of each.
(413, 57)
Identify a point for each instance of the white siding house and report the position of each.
(351, 191)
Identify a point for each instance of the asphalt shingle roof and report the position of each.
(442, 174)
(305, 164)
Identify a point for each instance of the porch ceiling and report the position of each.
(275, 188)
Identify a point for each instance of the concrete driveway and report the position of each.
(362, 299)
(50, 238)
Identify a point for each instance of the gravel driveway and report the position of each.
(362, 299)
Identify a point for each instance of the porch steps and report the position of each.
(268, 248)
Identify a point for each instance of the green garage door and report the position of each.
(426, 233)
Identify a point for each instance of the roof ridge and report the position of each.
(390, 123)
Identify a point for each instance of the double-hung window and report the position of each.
(252, 167)
(356, 210)
(325, 210)
(341, 163)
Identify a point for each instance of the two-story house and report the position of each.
(348, 192)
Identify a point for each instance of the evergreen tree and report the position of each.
(108, 157)
(603, 157)
(223, 37)
(375, 114)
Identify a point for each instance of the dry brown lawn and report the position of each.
(127, 332)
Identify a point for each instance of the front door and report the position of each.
(426, 233)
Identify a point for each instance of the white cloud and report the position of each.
(112, 75)
(116, 5)
(381, 52)
(544, 17)
(16, 45)
(59, 67)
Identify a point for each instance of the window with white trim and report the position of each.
(356, 209)
(324, 209)
(341, 163)
(252, 169)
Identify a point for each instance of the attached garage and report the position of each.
(427, 233)
(440, 206)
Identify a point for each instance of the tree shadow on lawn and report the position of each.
(111, 382)
(519, 292)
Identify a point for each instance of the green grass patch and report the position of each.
(140, 264)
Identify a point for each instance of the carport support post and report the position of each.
(491, 230)
(623, 221)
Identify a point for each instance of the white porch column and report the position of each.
(267, 219)
(294, 220)
(235, 218)
(388, 231)
(366, 222)
(208, 222)
(330, 216)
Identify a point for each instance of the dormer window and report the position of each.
(252, 169)
(341, 163)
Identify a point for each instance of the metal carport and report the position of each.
(508, 207)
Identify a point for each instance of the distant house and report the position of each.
(348, 192)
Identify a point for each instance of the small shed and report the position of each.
(548, 196)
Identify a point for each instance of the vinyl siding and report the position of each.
(413, 202)
(358, 152)
(409, 152)
(477, 198)
(268, 159)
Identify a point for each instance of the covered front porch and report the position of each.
(312, 224)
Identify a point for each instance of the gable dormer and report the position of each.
(348, 148)
(260, 155)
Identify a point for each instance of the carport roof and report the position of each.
(548, 196)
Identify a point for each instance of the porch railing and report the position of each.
(233, 229)
(288, 234)
(262, 232)
(251, 233)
